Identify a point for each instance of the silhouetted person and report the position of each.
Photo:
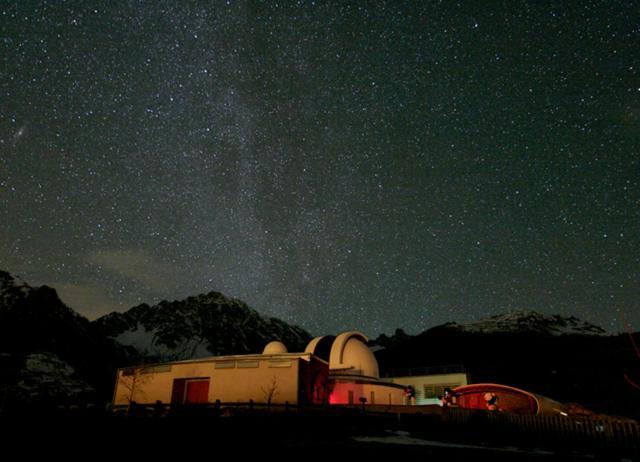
(492, 401)
(158, 409)
(450, 398)
(410, 393)
(133, 409)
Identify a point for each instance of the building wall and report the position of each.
(350, 392)
(230, 380)
(429, 387)
(313, 379)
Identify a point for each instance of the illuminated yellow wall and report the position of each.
(231, 380)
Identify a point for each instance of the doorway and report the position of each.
(190, 391)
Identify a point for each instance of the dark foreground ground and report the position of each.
(281, 436)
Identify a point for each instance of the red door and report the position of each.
(197, 392)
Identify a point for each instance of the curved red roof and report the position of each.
(509, 399)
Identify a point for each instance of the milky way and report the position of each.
(339, 165)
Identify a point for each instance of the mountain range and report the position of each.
(51, 354)
(205, 325)
(516, 322)
(525, 321)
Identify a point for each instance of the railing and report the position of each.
(426, 370)
(147, 409)
(552, 432)
(549, 430)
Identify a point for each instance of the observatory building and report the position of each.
(332, 369)
(353, 371)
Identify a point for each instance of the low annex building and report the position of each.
(334, 370)
(430, 383)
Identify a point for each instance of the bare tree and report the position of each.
(271, 390)
(132, 380)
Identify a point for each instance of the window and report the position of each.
(225, 364)
(373, 397)
(437, 390)
(156, 369)
(129, 371)
(350, 396)
(279, 363)
(248, 364)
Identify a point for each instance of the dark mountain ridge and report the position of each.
(204, 325)
(47, 350)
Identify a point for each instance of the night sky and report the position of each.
(338, 165)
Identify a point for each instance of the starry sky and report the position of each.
(339, 165)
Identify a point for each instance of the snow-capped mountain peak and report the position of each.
(202, 325)
(527, 321)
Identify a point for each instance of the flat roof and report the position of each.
(249, 357)
(414, 377)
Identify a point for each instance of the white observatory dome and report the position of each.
(274, 348)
